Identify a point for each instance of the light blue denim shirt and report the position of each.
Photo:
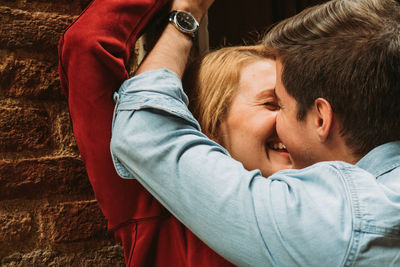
(329, 214)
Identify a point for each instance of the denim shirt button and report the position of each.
(116, 98)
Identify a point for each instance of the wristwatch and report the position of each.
(184, 22)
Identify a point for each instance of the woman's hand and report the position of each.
(172, 49)
(198, 8)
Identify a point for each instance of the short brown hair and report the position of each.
(212, 82)
(348, 52)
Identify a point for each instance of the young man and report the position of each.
(338, 88)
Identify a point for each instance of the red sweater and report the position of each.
(93, 52)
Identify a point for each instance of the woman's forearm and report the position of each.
(172, 50)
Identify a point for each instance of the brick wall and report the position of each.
(48, 215)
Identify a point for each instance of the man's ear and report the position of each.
(323, 118)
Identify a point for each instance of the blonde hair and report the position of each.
(213, 81)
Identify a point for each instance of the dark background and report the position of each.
(235, 22)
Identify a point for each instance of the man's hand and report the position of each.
(198, 8)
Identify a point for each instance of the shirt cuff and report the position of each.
(156, 89)
(162, 81)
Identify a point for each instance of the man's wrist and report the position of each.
(196, 12)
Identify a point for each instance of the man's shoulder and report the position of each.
(334, 199)
(332, 182)
(319, 198)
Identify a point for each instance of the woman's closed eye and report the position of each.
(271, 105)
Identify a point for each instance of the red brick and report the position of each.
(37, 258)
(104, 257)
(29, 78)
(24, 129)
(60, 6)
(15, 227)
(107, 256)
(43, 177)
(63, 134)
(31, 30)
(72, 221)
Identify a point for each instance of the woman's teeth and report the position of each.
(278, 146)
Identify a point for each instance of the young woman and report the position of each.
(232, 96)
(93, 53)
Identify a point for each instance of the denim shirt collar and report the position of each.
(381, 159)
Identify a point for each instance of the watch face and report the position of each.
(186, 21)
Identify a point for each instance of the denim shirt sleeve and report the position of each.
(246, 218)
